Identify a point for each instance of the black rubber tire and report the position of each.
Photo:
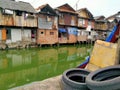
(104, 79)
(74, 79)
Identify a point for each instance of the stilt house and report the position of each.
(85, 24)
(67, 24)
(18, 23)
(47, 32)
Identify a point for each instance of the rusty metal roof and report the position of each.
(66, 8)
(99, 17)
(46, 9)
(114, 16)
(13, 5)
(41, 7)
(85, 9)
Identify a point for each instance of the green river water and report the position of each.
(20, 67)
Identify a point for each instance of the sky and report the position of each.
(96, 7)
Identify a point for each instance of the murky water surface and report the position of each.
(19, 67)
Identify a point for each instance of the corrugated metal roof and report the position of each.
(99, 17)
(41, 7)
(85, 9)
(66, 8)
(13, 5)
(113, 16)
(46, 9)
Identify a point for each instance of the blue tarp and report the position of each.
(82, 65)
(108, 39)
(62, 30)
(72, 30)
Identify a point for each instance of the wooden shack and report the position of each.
(47, 32)
(67, 24)
(18, 22)
(113, 20)
(85, 24)
(101, 27)
(100, 23)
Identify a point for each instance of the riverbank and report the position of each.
(51, 84)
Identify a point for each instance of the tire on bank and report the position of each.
(104, 79)
(74, 79)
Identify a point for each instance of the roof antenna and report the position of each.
(76, 5)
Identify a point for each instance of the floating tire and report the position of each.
(104, 79)
(74, 79)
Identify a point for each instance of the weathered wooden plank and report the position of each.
(14, 20)
(101, 26)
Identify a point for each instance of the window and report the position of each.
(7, 12)
(8, 33)
(41, 32)
(30, 15)
(51, 33)
(18, 13)
(48, 19)
(33, 33)
(81, 21)
(89, 23)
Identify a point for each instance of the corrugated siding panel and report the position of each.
(44, 24)
(4, 36)
(16, 35)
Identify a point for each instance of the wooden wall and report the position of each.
(68, 19)
(14, 20)
(83, 23)
(101, 26)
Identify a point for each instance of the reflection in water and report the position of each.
(19, 67)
